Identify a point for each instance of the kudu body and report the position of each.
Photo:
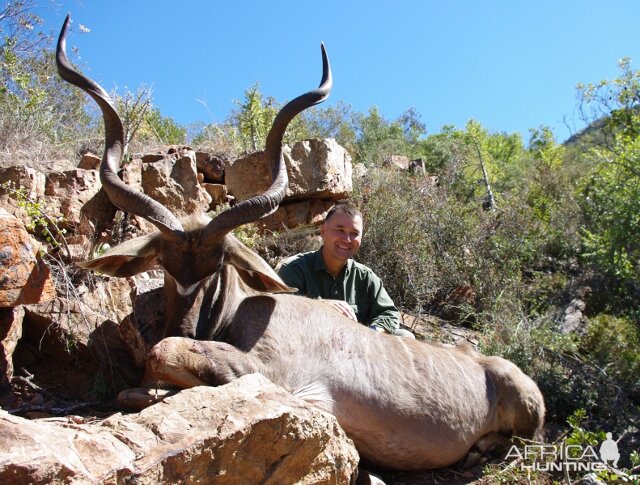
(406, 404)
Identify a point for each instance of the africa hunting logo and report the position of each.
(549, 458)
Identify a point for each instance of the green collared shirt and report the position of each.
(356, 284)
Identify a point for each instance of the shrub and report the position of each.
(427, 243)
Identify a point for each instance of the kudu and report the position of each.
(406, 404)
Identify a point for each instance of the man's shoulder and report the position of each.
(300, 259)
(363, 271)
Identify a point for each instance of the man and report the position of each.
(331, 274)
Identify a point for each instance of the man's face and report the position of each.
(342, 235)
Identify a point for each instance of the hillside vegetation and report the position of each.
(545, 236)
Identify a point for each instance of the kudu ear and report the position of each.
(253, 270)
(129, 258)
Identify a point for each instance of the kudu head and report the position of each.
(192, 251)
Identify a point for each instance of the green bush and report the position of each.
(614, 345)
(427, 243)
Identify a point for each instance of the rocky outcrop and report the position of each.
(574, 318)
(211, 167)
(319, 174)
(74, 344)
(298, 213)
(24, 277)
(217, 192)
(67, 192)
(249, 431)
(173, 182)
(89, 161)
(26, 178)
(400, 161)
(318, 169)
(60, 353)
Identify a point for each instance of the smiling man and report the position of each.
(331, 273)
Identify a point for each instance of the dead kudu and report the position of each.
(406, 404)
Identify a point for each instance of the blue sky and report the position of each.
(512, 65)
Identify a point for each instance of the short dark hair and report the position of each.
(345, 207)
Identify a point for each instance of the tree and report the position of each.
(133, 109)
(378, 139)
(163, 128)
(331, 122)
(254, 117)
(610, 108)
(477, 137)
(610, 193)
(37, 109)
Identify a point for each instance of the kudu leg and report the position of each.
(183, 363)
(479, 453)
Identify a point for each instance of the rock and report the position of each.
(134, 342)
(399, 161)
(97, 215)
(173, 182)
(318, 169)
(574, 318)
(149, 310)
(145, 326)
(89, 161)
(108, 296)
(132, 171)
(152, 157)
(218, 193)
(212, 167)
(28, 179)
(74, 343)
(23, 177)
(294, 214)
(24, 277)
(67, 192)
(132, 177)
(10, 333)
(247, 176)
(360, 170)
(248, 431)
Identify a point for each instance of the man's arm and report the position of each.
(382, 313)
(293, 276)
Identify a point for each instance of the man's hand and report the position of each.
(344, 308)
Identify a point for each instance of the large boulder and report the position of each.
(217, 192)
(29, 179)
(173, 181)
(74, 351)
(211, 167)
(319, 169)
(109, 296)
(170, 178)
(249, 431)
(24, 277)
(297, 213)
(67, 192)
(399, 161)
(149, 303)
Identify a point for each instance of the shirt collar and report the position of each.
(318, 263)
